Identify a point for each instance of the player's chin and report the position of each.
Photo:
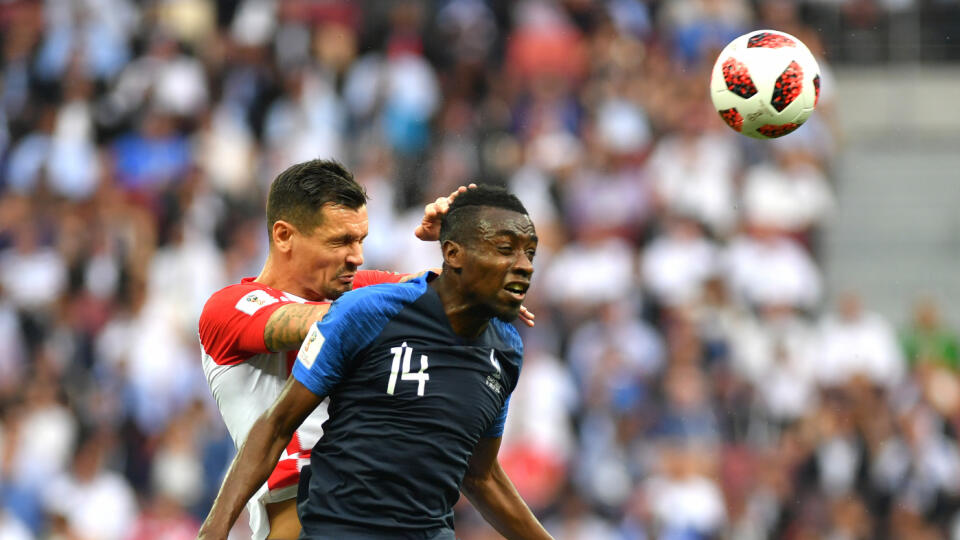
(508, 312)
(336, 289)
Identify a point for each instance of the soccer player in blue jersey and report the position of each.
(419, 375)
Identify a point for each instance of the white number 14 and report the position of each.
(421, 376)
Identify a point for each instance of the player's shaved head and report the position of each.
(460, 223)
(299, 193)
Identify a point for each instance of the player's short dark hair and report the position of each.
(460, 222)
(298, 194)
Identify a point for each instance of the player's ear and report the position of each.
(282, 235)
(452, 255)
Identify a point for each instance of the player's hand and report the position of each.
(429, 228)
(527, 316)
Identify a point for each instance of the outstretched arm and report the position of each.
(288, 326)
(258, 456)
(492, 493)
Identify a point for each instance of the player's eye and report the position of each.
(531, 253)
(345, 241)
(505, 249)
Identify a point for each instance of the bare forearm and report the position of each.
(249, 470)
(288, 326)
(497, 500)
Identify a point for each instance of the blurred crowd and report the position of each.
(688, 376)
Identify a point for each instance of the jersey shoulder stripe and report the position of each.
(353, 322)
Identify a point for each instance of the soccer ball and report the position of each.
(765, 84)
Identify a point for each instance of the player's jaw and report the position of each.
(511, 297)
(509, 290)
(341, 282)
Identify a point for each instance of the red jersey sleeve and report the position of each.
(373, 277)
(233, 319)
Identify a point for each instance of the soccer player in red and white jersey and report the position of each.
(250, 332)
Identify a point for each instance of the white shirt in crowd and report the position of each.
(675, 266)
(697, 177)
(773, 270)
(103, 507)
(778, 356)
(791, 199)
(590, 274)
(865, 345)
(684, 503)
(12, 528)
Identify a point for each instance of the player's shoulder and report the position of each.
(360, 315)
(238, 290)
(239, 301)
(245, 296)
(365, 278)
(508, 334)
(381, 298)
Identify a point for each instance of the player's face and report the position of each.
(499, 262)
(326, 260)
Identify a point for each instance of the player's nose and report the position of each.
(523, 265)
(355, 256)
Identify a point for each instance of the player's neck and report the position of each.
(466, 319)
(272, 277)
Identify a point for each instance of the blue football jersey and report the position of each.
(409, 401)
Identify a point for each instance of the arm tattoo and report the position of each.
(288, 326)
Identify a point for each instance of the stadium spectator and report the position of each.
(766, 268)
(856, 342)
(79, 496)
(676, 264)
(928, 341)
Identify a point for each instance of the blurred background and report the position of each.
(735, 339)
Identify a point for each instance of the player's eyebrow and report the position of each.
(513, 235)
(347, 237)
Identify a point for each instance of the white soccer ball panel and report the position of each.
(765, 84)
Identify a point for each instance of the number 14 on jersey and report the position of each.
(405, 353)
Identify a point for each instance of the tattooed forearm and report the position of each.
(288, 326)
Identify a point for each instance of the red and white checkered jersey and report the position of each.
(246, 378)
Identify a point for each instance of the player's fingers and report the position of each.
(443, 204)
(527, 316)
(434, 208)
(459, 190)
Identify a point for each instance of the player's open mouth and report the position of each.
(346, 278)
(517, 289)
